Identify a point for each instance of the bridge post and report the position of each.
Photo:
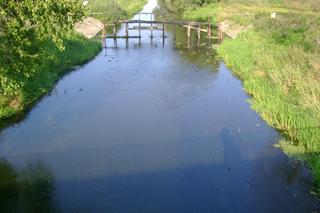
(151, 27)
(189, 36)
(127, 34)
(103, 36)
(209, 32)
(199, 35)
(209, 28)
(127, 29)
(220, 34)
(115, 34)
(163, 34)
(139, 28)
(174, 33)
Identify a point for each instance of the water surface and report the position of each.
(148, 128)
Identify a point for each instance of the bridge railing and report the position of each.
(199, 27)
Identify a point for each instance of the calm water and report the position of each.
(150, 128)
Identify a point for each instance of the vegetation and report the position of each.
(35, 37)
(114, 9)
(23, 190)
(25, 26)
(279, 63)
(38, 45)
(54, 63)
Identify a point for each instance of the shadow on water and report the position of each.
(214, 185)
(150, 128)
(30, 190)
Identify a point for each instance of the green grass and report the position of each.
(202, 13)
(114, 9)
(279, 64)
(53, 65)
(284, 91)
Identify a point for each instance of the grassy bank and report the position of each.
(114, 9)
(279, 64)
(52, 63)
(284, 89)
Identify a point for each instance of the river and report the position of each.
(148, 128)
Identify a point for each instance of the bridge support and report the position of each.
(198, 27)
(115, 35)
(174, 34)
(151, 31)
(199, 36)
(220, 35)
(209, 32)
(151, 27)
(163, 34)
(127, 34)
(103, 36)
(139, 29)
(189, 36)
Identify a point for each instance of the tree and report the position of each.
(24, 26)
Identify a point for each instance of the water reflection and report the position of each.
(30, 190)
(148, 129)
(8, 188)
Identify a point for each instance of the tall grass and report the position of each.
(279, 64)
(284, 90)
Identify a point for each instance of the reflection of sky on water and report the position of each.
(153, 121)
(150, 6)
(153, 127)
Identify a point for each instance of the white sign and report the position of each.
(273, 15)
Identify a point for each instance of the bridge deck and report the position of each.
(190, 23)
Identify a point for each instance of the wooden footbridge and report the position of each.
(152, 25)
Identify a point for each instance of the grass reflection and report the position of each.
(31, 190)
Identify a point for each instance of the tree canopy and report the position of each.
(24, 26)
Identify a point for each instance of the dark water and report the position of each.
(150, 128)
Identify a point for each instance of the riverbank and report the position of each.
(52, 63)
(114, 10)
(278, 62)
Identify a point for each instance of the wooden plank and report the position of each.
(195, 28)
(163, 22)
(89, 27)
(120, 37)
(144, 28)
